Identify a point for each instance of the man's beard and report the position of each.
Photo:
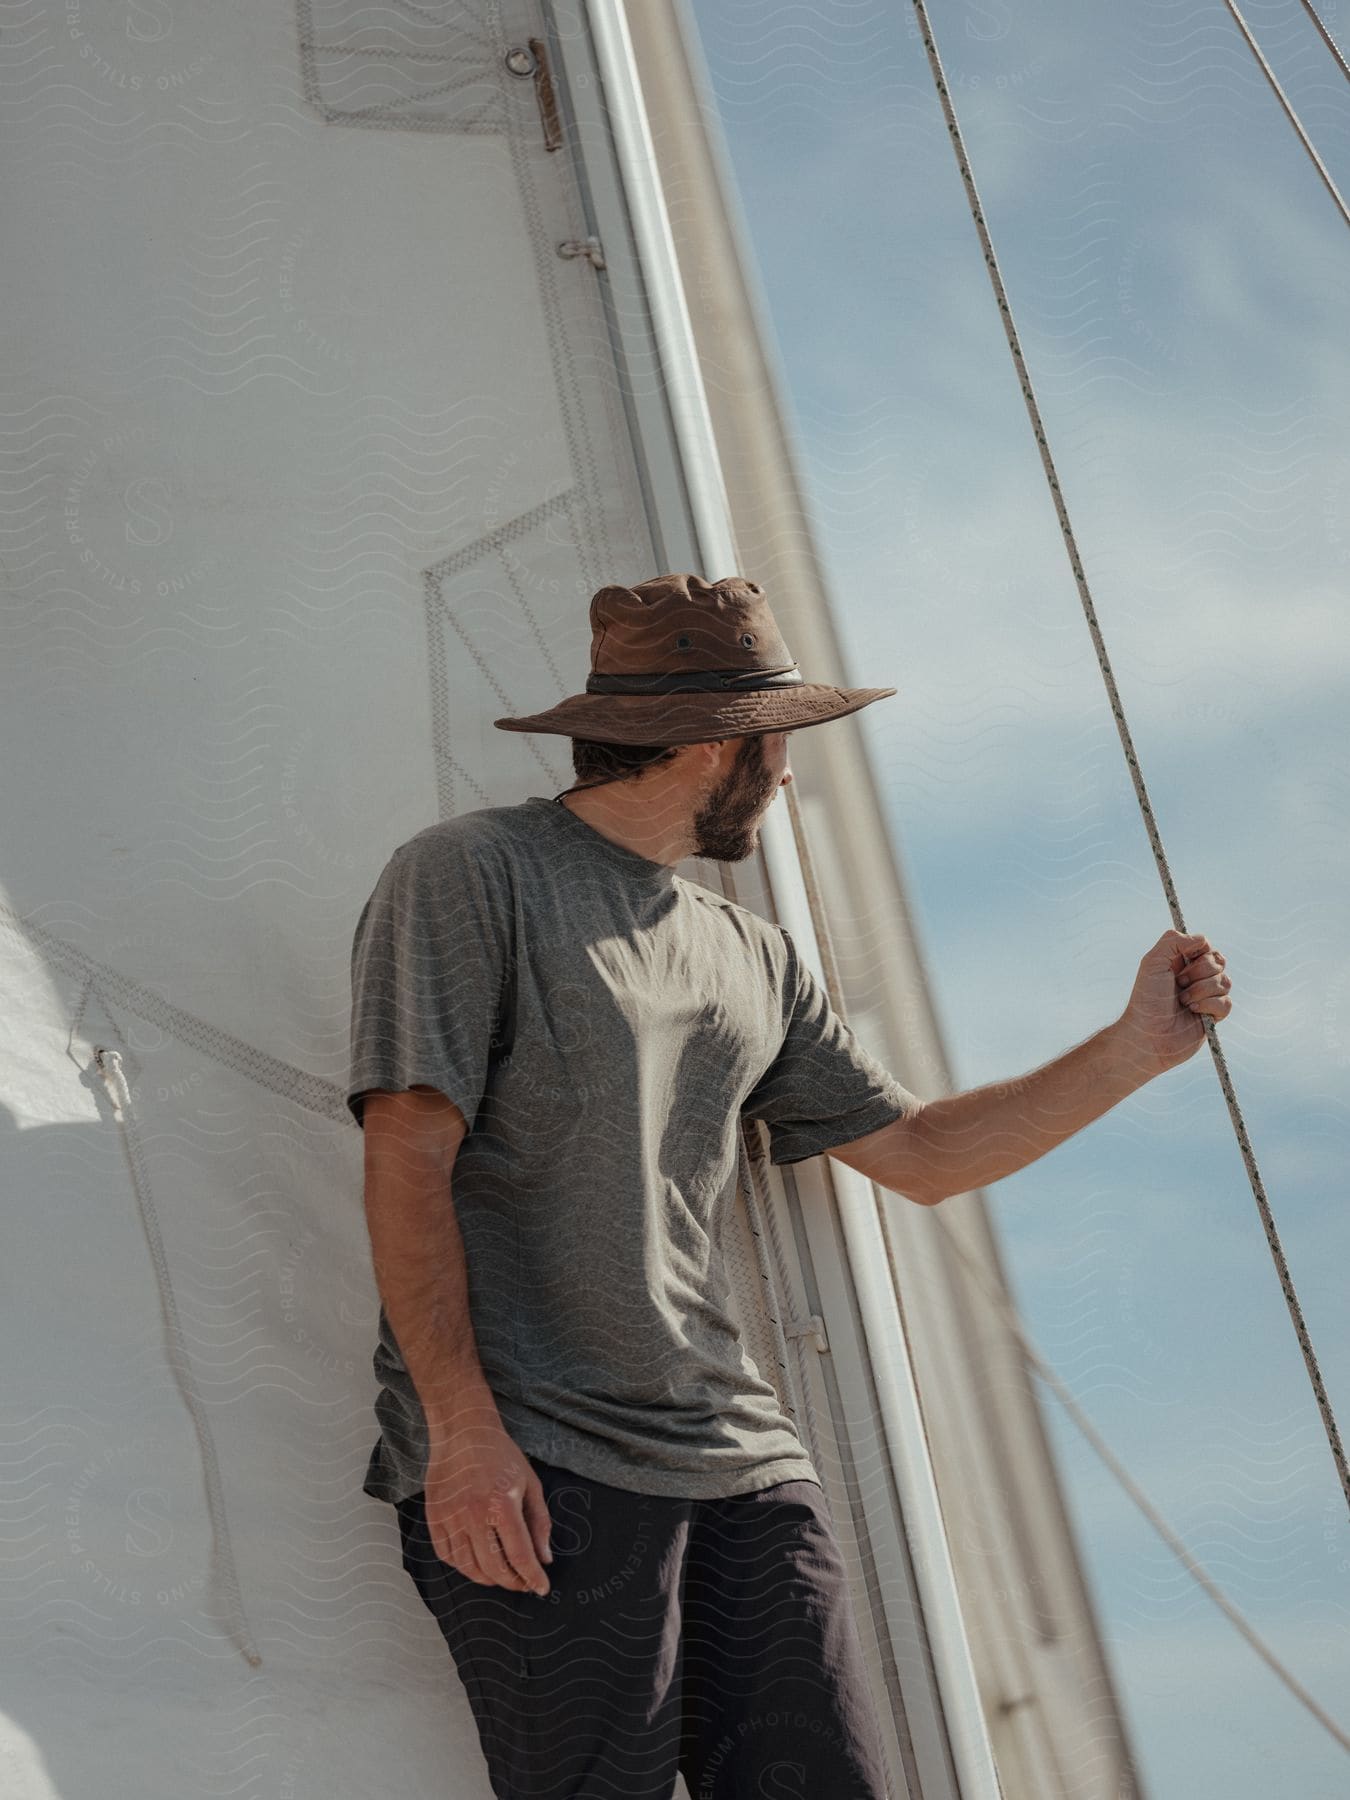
(725, 825)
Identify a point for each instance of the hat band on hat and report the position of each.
(694, 681)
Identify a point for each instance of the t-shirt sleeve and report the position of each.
(822, 1089)
(430, 968)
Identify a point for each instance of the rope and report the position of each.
(1330, 41)
(222, 1553)
(1269, 74)
(1118, 712)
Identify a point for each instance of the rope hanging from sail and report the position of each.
(1278, 91)
(1136, 775)
(222, 1560)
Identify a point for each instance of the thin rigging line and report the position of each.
(1269, 74)
(1142, 1500)
(1330, 41)
(1117, 709)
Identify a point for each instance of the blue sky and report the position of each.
(1178, 275)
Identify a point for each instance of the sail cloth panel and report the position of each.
(318, 454)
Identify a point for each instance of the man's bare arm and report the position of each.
(485, 1505)
(965, 1141)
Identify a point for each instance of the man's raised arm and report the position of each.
(966, 1141)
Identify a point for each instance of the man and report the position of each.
(554, 1038)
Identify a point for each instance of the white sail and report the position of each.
(356, 353)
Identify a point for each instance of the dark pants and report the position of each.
(713, 1637)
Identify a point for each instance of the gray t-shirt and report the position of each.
(600, 1022)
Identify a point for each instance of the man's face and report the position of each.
(726, 826)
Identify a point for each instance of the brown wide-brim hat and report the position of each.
(680, 660)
